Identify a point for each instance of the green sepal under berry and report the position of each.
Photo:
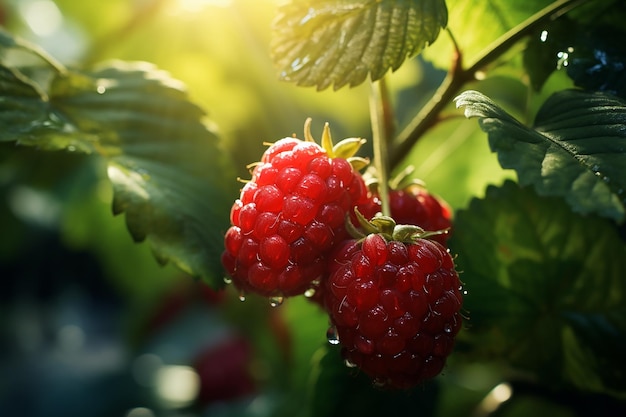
(346, 148)
(388, 228)
(358, 163)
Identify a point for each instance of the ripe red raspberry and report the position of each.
(288, 217)
(414, 205)
(224, 371)
(394, 307)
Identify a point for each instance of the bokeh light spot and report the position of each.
(43, 17)
(177, 386)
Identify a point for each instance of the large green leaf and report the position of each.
(339, 42)
(576, 150)
(546, 288)
(163, 160)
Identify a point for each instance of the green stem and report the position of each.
(429, 114)
(458, 76)
(510, 38)
(387, 114)
(381, 129)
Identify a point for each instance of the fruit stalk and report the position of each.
(380, 116)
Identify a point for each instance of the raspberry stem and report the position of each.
(458, 75)
(380, 116)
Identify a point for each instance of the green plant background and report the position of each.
(84, 306)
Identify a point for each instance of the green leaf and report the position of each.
(546, 288)
(23, 105)
(577, 149)
(8, 41)
(339, 42)
(163, 160)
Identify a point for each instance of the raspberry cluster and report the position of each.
(392, 293)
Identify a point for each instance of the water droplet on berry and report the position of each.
(228, 280)
(242, 296)
(447, 328)
(276, 300)
(309, 293)
(332, 335)
(349, 363)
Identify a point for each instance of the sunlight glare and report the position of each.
(43, 17)
(194, 6)
(140, 412)
(499, 394)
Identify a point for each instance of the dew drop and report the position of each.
(228, 280)
(563, 58)
(101, 89)
(276, 300)
(242, 296)
(332, 335)
(309, 293)
(349, 363)
(447, 328)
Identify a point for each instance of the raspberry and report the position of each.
(289, 216)
(414, 205)
(224, 372)
(394, 307)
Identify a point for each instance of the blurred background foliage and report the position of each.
(91, 325)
